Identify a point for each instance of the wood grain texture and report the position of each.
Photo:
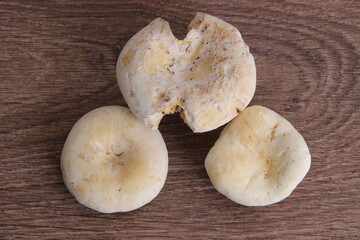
(57, 62)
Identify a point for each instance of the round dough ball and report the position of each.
(259, 158)
(111, 162)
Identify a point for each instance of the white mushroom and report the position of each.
(209, 76)
(112, 162)
(259, 158)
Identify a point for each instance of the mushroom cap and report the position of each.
(112, 162)
(259, 158)
(209, 76)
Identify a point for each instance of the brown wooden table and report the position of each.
(57, 62)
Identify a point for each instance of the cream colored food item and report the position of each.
(111, 162)
(209, 76)
(258, 159)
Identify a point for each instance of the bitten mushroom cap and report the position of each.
(209, 76)
(112, 162)
(258, 159)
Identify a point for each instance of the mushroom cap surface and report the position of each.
(112, 162)
(209, 76)
(259, 158)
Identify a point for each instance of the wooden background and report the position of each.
(57, 62)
